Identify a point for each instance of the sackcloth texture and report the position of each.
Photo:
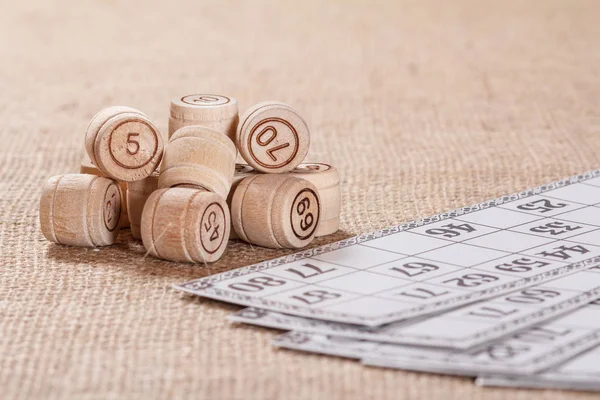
(424, 106)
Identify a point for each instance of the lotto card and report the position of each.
(580, 373)
(534, 349)
(430, 265)
(462, 328)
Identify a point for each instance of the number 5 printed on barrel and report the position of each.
(124, 144)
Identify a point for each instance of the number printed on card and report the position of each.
(532, 296)
(308, 270)
(413, 269)
(451, 230)
(257, 284)
(523, 264)
(542, 206)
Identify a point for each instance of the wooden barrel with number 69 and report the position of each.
(277, 211)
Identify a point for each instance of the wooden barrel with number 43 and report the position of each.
(185, 224)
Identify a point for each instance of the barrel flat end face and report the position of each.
(296, 213)
(105, 211)
(98, 120)
(128, 147)
(326, 179)
(213, 229)
(273, 138)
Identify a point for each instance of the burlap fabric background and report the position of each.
(423, 106)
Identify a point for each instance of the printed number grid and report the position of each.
(430, 265)
(462, 328)
(536, 348)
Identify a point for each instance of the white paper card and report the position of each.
(462, 328)
(580, 373)
(430, 265)
(527, 352)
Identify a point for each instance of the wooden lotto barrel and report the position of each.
(277, 211)
(87, 167)
(241, 171)
(214, 111)
(184, 224)
(80, 210)
(123, 143)
(327, 181)
(272, 137)
(199, 156)
(137, 195)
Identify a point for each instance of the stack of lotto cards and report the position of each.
(507, 291)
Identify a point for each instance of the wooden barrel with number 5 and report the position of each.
(277, 211)
(185, 224)
(124, 144)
